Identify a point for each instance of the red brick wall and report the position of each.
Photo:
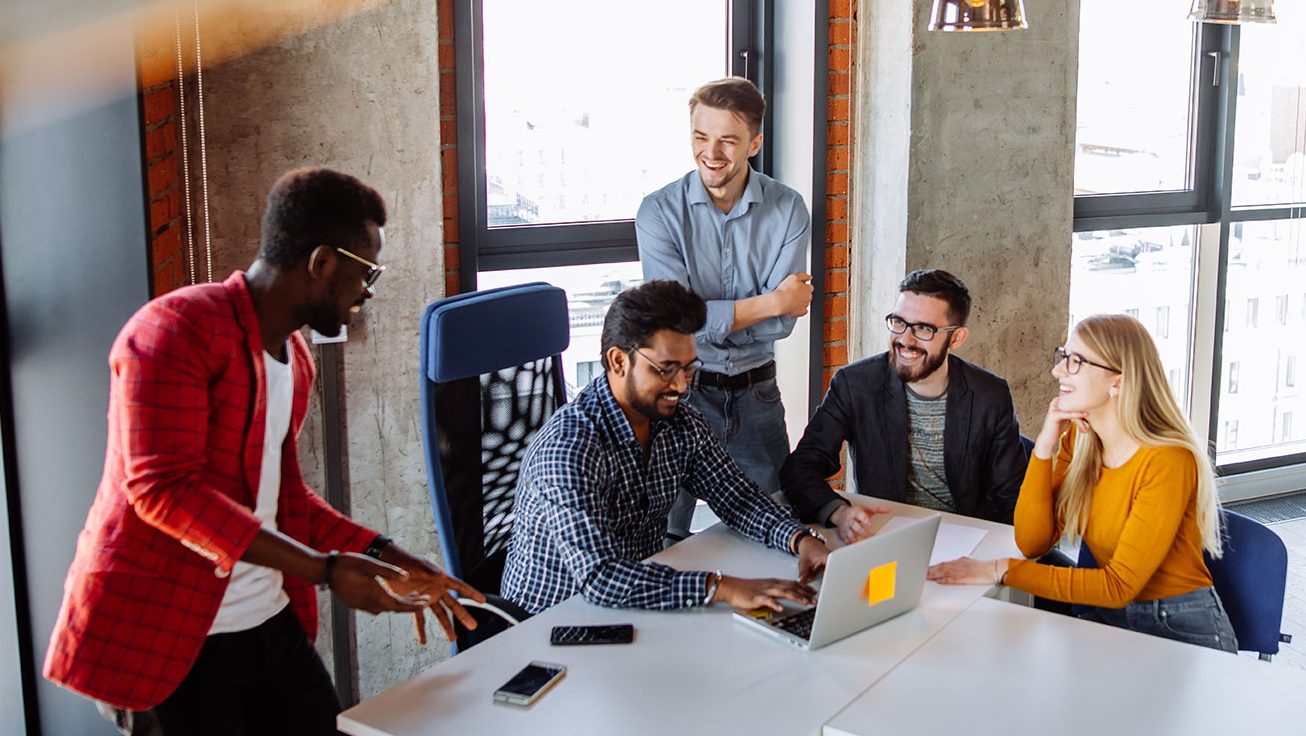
(157, 72)
(842, 37)
(449, 146)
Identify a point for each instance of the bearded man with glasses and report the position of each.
(597, 482)
(923, 426)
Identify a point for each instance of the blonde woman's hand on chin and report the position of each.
(1054, 425)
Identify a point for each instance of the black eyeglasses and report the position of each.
(669, 371)
(922, 331)
(374, 270)
(1075, 361)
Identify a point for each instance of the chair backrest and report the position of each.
(491, 377)
(1027, 445)
(1250, 578)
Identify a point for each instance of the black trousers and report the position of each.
(265, 680)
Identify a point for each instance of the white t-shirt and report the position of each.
(254, 593)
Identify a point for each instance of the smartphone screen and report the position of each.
(528, 684)
(609, 634)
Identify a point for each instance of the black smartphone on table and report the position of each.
(605, 634)
(529, 684)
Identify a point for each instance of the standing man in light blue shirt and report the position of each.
(738, 239)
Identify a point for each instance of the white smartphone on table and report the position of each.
(529, 684)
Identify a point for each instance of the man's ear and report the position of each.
(959, 337)
(618, 361)
(319, 261)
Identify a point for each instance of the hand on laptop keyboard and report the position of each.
(745, 594)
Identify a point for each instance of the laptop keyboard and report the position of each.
(799, 624)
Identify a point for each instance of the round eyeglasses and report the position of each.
(922, 331)
(1075, 361)
(669, 371)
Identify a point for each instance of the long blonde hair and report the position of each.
(1148, 413)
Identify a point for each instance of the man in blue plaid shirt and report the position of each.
(598, 480)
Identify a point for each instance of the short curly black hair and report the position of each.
(639, 312)
(316, 206)
(940, 284)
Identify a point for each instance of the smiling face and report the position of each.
(914, 359)
(722, 144)
(642, 389)
(1090, 390)
(345, 290)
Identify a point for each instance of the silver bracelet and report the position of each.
(997, 580)
(711, 587)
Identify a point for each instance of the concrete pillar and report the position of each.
(359, 95)
(965, 161)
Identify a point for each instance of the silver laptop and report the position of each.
(864, 583)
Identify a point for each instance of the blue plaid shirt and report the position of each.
(588, 508)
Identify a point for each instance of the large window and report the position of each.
(1190, 177)
(569, 112)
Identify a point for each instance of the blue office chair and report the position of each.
(1250, 578)
(491, 377)
(1028, 445)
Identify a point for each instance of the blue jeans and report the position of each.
(750, 422)
(1193, 618)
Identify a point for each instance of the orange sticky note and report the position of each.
(880, 583)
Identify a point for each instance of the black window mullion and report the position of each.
(1222, 191)
(469, 73)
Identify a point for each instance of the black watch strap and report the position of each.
(328, 570)
(377, 546)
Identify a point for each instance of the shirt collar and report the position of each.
(615, 419)
(752, 191)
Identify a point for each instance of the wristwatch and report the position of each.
(377, 546)
(806, 532)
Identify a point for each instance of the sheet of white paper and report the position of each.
(953, 540)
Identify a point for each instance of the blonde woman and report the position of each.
(1117, 466)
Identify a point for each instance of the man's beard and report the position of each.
(920, 371)
(649, 410)
(324, 316)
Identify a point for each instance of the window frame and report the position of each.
(1208, 203)
(482, 248)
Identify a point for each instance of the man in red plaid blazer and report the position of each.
(188, 596)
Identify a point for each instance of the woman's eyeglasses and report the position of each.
(1075, 361)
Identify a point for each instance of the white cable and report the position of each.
(204, 159)
(185, 149)
(469, 603)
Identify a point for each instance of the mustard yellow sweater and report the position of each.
(1142, 530)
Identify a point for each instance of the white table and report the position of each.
(692, 671)
(1010, 670)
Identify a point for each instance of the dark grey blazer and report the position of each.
(866, 405)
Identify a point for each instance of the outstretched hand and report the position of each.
(439, 589)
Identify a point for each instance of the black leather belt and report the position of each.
(742, 380)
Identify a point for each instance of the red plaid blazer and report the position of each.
(173, 512)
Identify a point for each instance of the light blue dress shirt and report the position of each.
(725, 257)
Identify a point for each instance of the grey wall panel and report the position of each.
(75, 267)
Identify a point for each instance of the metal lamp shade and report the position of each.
(978, 15)
(1233, 11)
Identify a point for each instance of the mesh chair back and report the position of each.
(491, 378)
